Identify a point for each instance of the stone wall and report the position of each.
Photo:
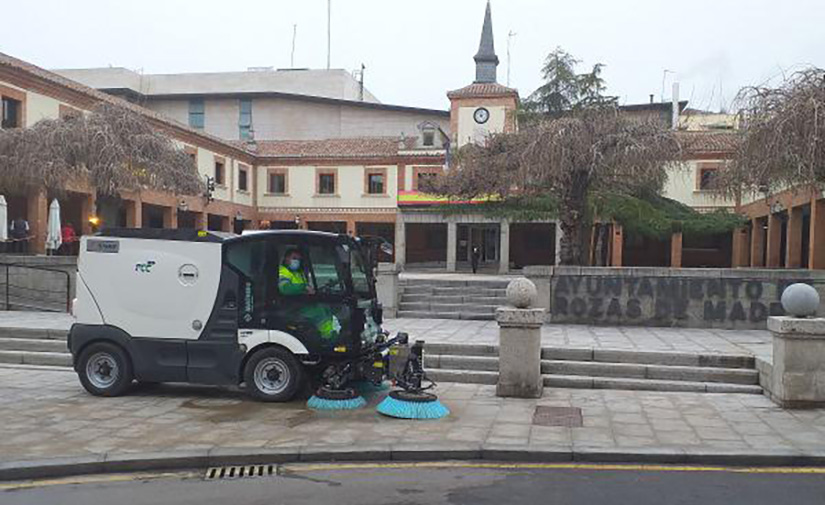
(696, 298)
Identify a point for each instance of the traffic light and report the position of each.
(210, 188)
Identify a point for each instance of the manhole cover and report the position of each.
(570, 417)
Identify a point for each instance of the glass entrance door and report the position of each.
(486, 238)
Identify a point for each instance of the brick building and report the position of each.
(315, 150)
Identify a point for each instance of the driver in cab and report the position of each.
(292, 279)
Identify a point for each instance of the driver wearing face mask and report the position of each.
(291, 277)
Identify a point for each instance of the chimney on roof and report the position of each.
(674, 115)
(486, 59)
(651, 98)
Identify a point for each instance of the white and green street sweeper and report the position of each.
(273, 311)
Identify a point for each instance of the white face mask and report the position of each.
(294, 264)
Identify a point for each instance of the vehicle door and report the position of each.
(321, 316)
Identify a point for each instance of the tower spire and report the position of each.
(486, 59)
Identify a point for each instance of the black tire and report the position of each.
(273, 374)
(100, 358)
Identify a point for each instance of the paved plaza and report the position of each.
(46, 414)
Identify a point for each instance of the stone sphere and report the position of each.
(521, 293)
(800, 300)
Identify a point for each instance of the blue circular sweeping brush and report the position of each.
(329, 399)
(404, 405)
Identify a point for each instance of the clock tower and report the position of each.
(485, 106)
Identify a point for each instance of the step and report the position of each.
(32, 344)
(36, 358)
(597, 369)
(473, 363)
(673, 358)
(460, 349)
(493, 283)
(454, 291)
(463, 376)
(665, 358)
(460, 307)
(652, 372)
(34, 333)
(454, 299)
(669, 358)
(467, 316)
(583, 382)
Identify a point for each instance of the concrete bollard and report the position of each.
(519, 354)
(386, 287)
(797, 379)
(797, 376)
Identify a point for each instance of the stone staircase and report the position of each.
(603, 369)
(452, 299)
(38, 347)
(478, 364)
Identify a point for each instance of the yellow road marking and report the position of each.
(301, 468)
(307, 468)
(92, 479)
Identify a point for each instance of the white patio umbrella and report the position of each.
(53, 235)
(4, 219)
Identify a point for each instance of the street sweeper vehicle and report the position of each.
(273, 311)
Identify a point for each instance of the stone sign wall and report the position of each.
(702, 298)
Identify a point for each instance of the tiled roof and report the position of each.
(483, 89)
(361, 147)
(99, 96)
(694, 142)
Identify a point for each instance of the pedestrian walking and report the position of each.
(475, 256)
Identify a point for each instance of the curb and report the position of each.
(202, 459)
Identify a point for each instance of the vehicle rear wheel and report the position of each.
(104, 370)
(273, 375)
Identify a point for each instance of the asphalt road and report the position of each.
(448, 483)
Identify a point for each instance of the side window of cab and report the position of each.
(249, 259)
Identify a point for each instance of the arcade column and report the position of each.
(774, 240)
(134, 213)
(793, 252)
(676, 250)
(816, 250)
(504, 247)
(38, 215)
(452, 239)
(617, 245)
(400, 242)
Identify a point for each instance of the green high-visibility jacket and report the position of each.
(291, 283)
(317, 314)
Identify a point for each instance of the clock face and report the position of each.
(481, 115)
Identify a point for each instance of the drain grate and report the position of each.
(570, 417)
(239, 472)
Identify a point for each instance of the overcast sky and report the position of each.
(415, 51)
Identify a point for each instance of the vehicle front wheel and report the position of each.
(273, 375)
(104, 370)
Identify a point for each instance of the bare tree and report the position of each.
(574, 159)
(784, 142)
(111, 147)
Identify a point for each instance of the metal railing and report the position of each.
(30, 295)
